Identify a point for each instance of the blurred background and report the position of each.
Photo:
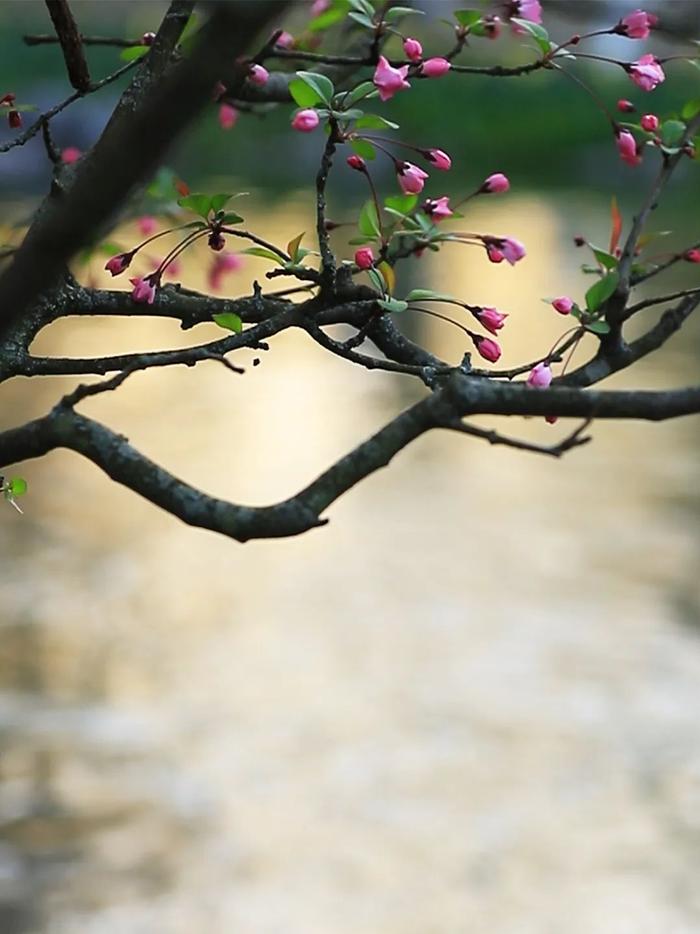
(470, 702)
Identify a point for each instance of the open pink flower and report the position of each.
(627, 147)
(635, 25)
(650, 123)
(646, 73)
(227, 116)
(306, 120)
(70, 154)
(486, 348)
(500, 248)
(389, 80)
(437, 208)
(563, 305)
(411, 178)
(495, 184)
(117, 264)
(540, 376)
(492, 319)
(435, 67)
(364, 258)
(144, 290)
(526, 9)
(258, 75)
(438, 158)
(413, 49)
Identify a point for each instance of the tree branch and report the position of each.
(71, 43)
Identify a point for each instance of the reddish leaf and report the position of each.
(182, 188)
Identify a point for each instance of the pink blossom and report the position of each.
(540, 376)
(285, 40)
(227, 116)
(411, 178)
(117, 264)
(258, 75)
(223, 263)
(437, 208)
(507, 248)
(563, 305)
(319, 6)
(413, 49)
(70, 154)
(306, 121)
(356, 162)
(147, 225)
(364, 258)
(438, 158)
(635, 25)
(492, 319)
(494, 254)
(389, 80)
(495, 184)
(646, 73)
(625, 106)
(530, 10)
(627, 148)
(486, 348)
(144, 289)
(692, 256)
(650, 123)
(435, 67)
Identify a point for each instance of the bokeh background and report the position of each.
(468, 704)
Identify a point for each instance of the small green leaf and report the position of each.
(672, 132)
(389, 276)
(303, 94)
(377, 280)
(218, 201)
(427, 295)
(397, 11)
(230, 217)
(392, 304)
(230, 321)
(362, 20)
(197, 203)
(265, 254)
(327, 18)
(690, 108)
(375, 122)
(604, 258)
(468, 17)
(538, 33)
(598, 327)
(293, 247)
(601, 291)
(369, 222)
(359, 93)
(363, 148)
(319, 83)
(133, 52)
(362, 6)
(402, 204)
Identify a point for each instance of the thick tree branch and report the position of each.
(71, 43)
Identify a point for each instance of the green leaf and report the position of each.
(303, 94)
(344, 100)
(362, 6)
(690, 108)
(672, 132)
(468, 17)
(197, 203)
(375, 122)
(230, 217)
(293, 246)
(402, 204)
(392, 304)
(604, 258)
(538, 33)
(319, 83)
(601, 291)
(327, 18)
(362, 20)
(229, 320)
(598, 327)
(369, 222)
(389, 276)
(218, 201)
(133, 52)
(397, 11)
(265, 254)
(363, 148)
(377, 280)
(17, 486)
(427, 295)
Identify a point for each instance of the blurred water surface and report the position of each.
(468, 704)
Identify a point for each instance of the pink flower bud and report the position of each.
(540, 377)
(357, 162)
(551, 419)
(413, 49)
(635, 25)
(500, 248)
(144, 290)
(389, 80)
(258, 75)
(627, 147)
(70, 154)
(563, 305)
(437, 208)
(625, 106)
(411, 178)
(494, 255)
(491, 26)
(305, 121)
(495, 184)
(364, 258)
(117, 264)
(285, 40)
(650, 123)
(319, 6)
(692, 256)
(147, 225)
(492, 319)
(646, 73)
(227, 116)
(486, 348)
(438, 158)
(148, 38)
(435, 67)
(14, 119)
